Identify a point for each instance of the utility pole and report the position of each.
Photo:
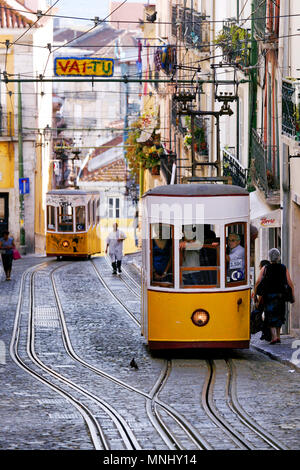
(21, 172)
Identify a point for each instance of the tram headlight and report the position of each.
(200, 317)
(65, 244)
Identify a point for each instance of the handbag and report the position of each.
(16, 254)
(288, 293)
(256, 321)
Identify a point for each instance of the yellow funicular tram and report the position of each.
(195, 278)
(72, 223)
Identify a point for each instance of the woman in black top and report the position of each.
(274, 276)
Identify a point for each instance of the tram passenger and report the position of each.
(162, 259)
(235, 258)
(190, 255)
(115, 243)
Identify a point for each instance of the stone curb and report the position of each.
(276, 357)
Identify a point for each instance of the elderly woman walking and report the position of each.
(274, 278)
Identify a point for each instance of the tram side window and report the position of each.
(65, 218)
(98, 211)
(200, 256)
(235, 235)
(80, 218)
(50, 218)
(89, 213)
(162, 266)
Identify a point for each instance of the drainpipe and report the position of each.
(285, 182)
(21, 172)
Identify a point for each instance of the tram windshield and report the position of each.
(200, 256)
(65, 218)
(80, 218)
(235, 253)
(162, 269)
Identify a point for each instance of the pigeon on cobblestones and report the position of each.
(133, 364)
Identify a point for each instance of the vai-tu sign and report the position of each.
(83, 67)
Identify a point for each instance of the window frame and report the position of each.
(203, 268)
(49, 206)
(77, 207)
(157, 283)
(245, 281)
(58, 224)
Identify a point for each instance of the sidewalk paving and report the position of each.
(287, 352)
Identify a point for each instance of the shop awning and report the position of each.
(261, 214)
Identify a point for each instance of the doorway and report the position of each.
(3, 212)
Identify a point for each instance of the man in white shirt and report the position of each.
(115, 243)
(236, 258)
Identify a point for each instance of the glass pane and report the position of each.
(200, 255)
(235, 253)
(162, 270)
(80, 218)
(65, 218)
(117, 203)
(2, 208)
(117, 213)
(51, 218)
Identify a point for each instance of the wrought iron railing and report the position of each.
(193, 30)
(233, 168)
(291, 109)
(263, 174)
(236, 47)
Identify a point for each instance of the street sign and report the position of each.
(83, 67)
(24, 185)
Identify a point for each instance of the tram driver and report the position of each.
(235, 258)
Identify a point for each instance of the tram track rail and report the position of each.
(91, 422)
(232, 401)
(239, 439)
(152, 400)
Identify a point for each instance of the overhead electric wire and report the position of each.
(33, 24)
(146, 22)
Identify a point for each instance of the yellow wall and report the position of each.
(6, 165)
(7, 159)
(126, 226)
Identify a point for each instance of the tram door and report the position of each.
(3, 212)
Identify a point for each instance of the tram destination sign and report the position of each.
(83, 67)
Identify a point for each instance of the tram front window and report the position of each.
(80, 218)
(199, 256)
(161, 243)
(65, 218)
(235, 253)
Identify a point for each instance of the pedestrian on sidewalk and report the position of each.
(6, 247)
(259, 305)
(274, 278)
(114, 242)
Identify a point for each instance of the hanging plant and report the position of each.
(144, 155)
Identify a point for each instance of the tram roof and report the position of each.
(211, 189)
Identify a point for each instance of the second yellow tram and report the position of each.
(73, 223)
(195, 278)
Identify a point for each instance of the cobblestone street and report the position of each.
(68, 383)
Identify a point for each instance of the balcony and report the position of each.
(291, 109)
(6, 124)
(235, 44)
(260, 8)
(233, 168)
(263, 173)
(193, 30)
